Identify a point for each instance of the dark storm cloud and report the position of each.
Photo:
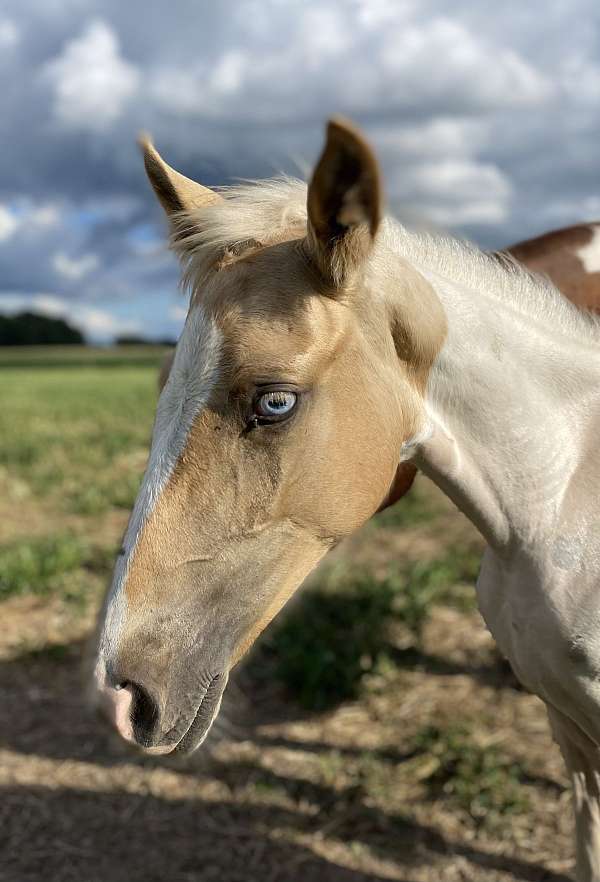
(485, 117)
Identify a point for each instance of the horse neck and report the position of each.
(512, 404)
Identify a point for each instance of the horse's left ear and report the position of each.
(175, 192)
(344, 203)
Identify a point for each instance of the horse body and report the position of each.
(326, 351)
(512, 439)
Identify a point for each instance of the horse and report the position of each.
(325, 348)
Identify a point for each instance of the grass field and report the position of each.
(373, 734)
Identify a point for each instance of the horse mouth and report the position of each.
(204, 717)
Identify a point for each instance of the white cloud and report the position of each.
(9, 34)
(440, 136)
(25, 218)
(44, 215)
(177, 313)
(433, 172)
(99, 324)
(92, 83)
(73, 267)
(466, 64)
(580, 78)
(47, 304)
(452, 177)
(457, 192)
(371, 14)
(561, 212)
(8, 223)
(227, 77)
(388, 57)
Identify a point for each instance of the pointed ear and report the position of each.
(175, 192)
(344, 203)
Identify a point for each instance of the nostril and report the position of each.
(144, 713)
(116, 701)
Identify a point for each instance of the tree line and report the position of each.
(31, 329)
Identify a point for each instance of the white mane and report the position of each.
(273, 210)
(496, 273)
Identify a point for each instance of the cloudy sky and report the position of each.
(485, 115)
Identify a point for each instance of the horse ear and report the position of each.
(174, 191)
(344, 203)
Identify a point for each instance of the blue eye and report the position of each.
(276, 404)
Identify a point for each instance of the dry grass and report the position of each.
(426, 763)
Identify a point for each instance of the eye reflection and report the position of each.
(276, 404)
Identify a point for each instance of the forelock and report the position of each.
(250, 216)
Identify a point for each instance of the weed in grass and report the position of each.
(479, 779)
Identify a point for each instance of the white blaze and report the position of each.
(193, 375)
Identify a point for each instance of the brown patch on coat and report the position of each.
(555, 255)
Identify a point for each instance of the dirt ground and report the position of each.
(278, 794)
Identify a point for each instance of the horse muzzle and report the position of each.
(135, 712)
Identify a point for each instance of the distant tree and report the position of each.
(31, 329)
(132, 340)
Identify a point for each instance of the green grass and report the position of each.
(77, 435)
(62, 565)
(479, 779)
(38, 566)
(80, 356)
(75, 425)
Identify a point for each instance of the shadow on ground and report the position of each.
(80, 818)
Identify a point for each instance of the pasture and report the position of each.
(373, 734)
